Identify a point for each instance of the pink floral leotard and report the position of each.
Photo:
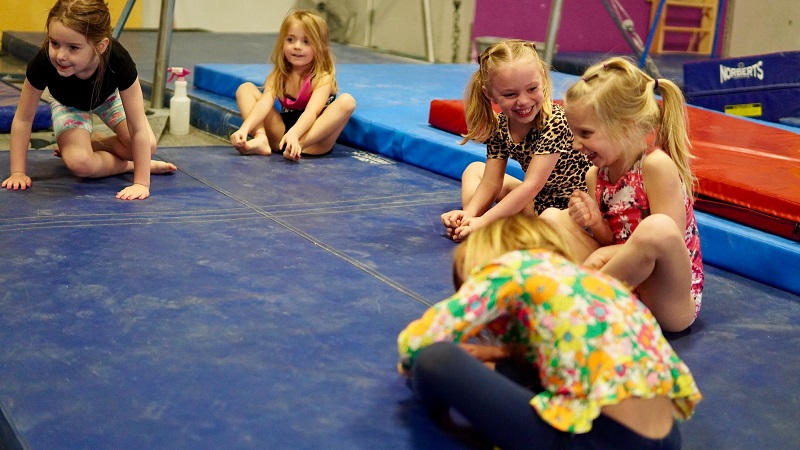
(624, 205)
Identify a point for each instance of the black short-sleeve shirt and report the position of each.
(72, 91)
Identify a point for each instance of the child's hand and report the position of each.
(17, 181)
(239, 138)
(584, 210)
(135, 192)
(291, 146)
(468, 226)
(452, 220)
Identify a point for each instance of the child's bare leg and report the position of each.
(266, 137)
(581, 244)
(471, 178)
(247, 95)
(75, 147)
(120, 145)
(322, 135)
(656, 260)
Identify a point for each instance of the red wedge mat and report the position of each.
(747, 172)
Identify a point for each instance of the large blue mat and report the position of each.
(252, 302)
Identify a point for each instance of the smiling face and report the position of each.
(517, 88)
(591, 137)
(70, 52)
(297, 49)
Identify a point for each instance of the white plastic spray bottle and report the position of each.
(179, 104)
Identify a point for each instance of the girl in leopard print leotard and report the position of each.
(530, 129)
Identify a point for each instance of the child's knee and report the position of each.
(246, 89)
(347, 103)
(551, 214)
(474, 170)
(80, 165)
(658, 230)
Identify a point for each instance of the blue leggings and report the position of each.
(499, 409)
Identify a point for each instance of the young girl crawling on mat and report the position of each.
(603, 375)
(303, 79)
(530, 129)
(88, 72)
(638, 224)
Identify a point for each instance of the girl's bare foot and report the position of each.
(161, 167)
(259, 145)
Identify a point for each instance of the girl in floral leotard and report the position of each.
(639, 224)
(607, 376)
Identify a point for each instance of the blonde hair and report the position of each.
(318, 35)
(623, 98)
(92, 20)
(481, 119)
(516, 232)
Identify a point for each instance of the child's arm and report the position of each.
(491, 184)
(585, 212)
(21, 137)
(488, 189)
(664, 188)
(133, 103)
(256, 116)
(319, 98)
(539, 170)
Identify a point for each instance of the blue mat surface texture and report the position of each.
(254, 303)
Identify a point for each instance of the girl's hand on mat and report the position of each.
(135, 192)
(17, 181)
(584, 210)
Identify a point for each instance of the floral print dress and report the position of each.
(592, 342)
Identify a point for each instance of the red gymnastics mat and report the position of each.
(748, 172)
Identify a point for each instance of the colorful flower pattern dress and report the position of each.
(592, 342)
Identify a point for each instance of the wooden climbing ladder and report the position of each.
(697, 19)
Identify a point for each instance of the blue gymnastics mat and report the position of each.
(254, 303)
(9, 97)
(391, 119)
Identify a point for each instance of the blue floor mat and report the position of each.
(253, 302)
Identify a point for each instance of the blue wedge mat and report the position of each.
(391, 119)
(9, 97)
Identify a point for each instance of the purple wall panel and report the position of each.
(585, 26)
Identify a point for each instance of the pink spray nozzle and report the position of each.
(178, 72)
